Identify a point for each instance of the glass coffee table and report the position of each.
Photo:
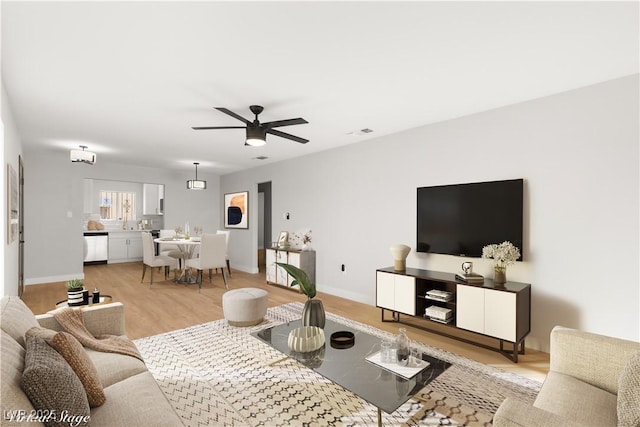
(349, 368)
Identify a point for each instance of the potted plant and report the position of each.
(75, 289)
(503, 255)
(313, 311)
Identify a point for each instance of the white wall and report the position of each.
(54, 189)
(577, 151)
(12, 148)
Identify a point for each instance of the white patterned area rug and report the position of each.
(215, 374)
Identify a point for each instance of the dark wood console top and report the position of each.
(451, 277)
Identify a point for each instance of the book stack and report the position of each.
(439, 295)
(470, 278)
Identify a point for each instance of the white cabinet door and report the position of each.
(270, 260)
(405, 294)
(396, 292)
(150, 199)
(500, 314)
(134, 248)
(385, 290)
(470, 308)
(282, 278)
(117, 247)
(294, 259)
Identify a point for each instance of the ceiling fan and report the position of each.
(256, 131)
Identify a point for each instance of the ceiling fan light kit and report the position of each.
(256, 131)
(256, 136)
(196, 184)
(82, 156)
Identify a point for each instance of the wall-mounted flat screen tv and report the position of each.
(461, 219)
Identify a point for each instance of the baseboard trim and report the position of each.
(51, 279)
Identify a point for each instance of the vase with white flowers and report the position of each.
(503, 255)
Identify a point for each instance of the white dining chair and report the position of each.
(212, 255)
(227, 234)
(149, 258)
(170, 249)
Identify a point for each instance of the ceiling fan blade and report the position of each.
(288, 122)
(287, 136)
(217, 127)
(232, 114)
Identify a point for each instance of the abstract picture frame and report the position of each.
(236, 210)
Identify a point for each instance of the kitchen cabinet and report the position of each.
(152, 199)
(304, 260)
(125, 246)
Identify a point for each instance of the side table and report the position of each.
(103, 299)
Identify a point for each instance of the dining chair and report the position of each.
(170, 249)
(212, 255)
(227, 234)
(149, 258)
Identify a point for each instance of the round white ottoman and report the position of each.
(245, 306)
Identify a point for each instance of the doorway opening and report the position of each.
(264, 223)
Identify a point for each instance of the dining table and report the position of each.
(187, 249)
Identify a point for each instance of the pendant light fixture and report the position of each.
(87, 157)
(196, 184)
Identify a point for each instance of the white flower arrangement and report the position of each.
(300, 238)
(503, 254)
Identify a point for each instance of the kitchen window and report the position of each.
(118, 205)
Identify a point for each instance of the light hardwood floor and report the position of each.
(166, 306)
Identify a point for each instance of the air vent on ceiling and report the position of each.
(360, 132)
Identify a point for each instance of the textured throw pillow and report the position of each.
(629, 393)
(44, 333)
(76, 356)
(53, 388)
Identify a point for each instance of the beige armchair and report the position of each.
(593, 380)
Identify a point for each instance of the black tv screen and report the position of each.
(461, 219)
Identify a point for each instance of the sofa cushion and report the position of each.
(113, 367)
(16, 318)
(594, 406)
(629, 393)
(15, 404)
(75, 355)
(52, 386)
(135, 401)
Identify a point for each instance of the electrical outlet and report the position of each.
(343, 268)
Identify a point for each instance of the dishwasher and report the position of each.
(96, 247)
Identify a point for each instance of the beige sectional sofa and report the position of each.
(594, 380)
(133, 397)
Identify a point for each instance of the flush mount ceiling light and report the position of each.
(196, 184)
(83, 156)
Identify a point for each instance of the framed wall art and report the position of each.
(236, 210)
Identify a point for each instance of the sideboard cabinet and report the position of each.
(304, 260)
(502, 312)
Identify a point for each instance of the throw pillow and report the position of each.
(44, 333)
(76, 356)
(629, 393)
(53, 388)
